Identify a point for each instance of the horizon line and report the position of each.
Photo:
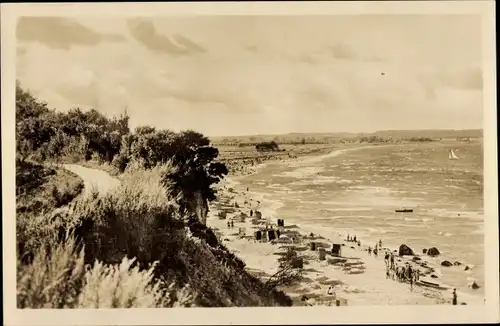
(346, 132)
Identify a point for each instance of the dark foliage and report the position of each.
(30, 175)
(267, 146)
(43, 133)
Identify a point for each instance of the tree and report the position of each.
(195, 173)
(40, 130)
(35, 124)
(267, 146)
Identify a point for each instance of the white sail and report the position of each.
(452, 155)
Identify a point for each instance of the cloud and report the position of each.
(233, 91)
(307, 59)
(460, 79)
(188, 44)
(343, 51)
(251, 48)
(60, 33)
(465, 79)
(145, 32)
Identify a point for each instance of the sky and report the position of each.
(243, 75)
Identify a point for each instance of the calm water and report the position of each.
(357, 191)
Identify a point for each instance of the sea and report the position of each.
(357, 190)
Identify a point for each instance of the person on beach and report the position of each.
(392, 261)
(410, 277)
(232, 224)
(251, 212)
(348, 237)
(354, 238)
(228, 225)
(386, 259)
(402, 273)
(454, 297)
(375, 252)
(370, 251)
(387, 274)
(380, 243)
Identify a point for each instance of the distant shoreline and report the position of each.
(249, 169)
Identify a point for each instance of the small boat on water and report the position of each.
(404, 210)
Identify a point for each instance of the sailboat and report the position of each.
(452, 155)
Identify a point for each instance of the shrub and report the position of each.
(30, 175)
(54, 278)
(42, 188)
(57, 278)
(120, 286)
(43, 133)
(267, 146)
(137, 219)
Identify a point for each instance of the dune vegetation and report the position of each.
(144, 244)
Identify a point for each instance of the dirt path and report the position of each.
(93, 178)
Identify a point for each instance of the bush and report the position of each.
(54, 278)
(30, 175)
(43, 133)
(120, 286)
(137, 219)
(57, 278)
(42, 188)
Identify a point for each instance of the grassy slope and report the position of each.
(139, 220)
(42, 188)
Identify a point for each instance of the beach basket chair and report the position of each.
(258, 235)
(336, 250)
(297, 262)
(321, 253)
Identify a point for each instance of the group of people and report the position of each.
(230, 224)
(353, 239)
(376, 249)
(397, 272)
(400, 273)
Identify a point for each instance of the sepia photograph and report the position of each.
(235, 155)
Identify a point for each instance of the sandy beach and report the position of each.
(354, 278)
